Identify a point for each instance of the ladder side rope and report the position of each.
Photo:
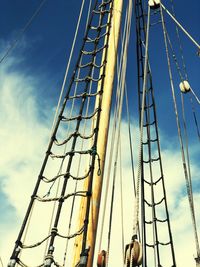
(116, 111)
(129, 136)
(58, 107)
(84, 250)
(196, 97)
(121, 198)
(136, 208)
(78, 170)
(20, 33)
(180, 26)
(180, 137)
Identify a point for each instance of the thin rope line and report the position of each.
(180, 138)
(136, 209)
(180, 44)
(67, 69)
(180, 26)
(20, 34)
(122, 86)
(119, 66)
(129, 134)
(121, 197)
(196, 97)
(79, 162)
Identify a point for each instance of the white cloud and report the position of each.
(22, 140)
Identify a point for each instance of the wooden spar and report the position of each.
(102, 138)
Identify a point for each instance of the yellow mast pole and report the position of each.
(102, 137)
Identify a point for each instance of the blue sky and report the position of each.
(30, 82)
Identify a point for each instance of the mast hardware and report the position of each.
(185, 87)
(101, 260)
(83, 258)
(133, 253)
(14, 259)
(154, 4)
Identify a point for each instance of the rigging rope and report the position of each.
(68, 65)
(136, 208)
(180, 26)
(122, 86)
(79, 162)
(182, 79)
(121, 197)
(189, 192)
(20, 34)
(84, 251)
(116, 111)
(129, 136)
(185, 72)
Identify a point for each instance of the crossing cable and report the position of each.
(180, 138)
(20, 33)
(180, 26)
(136, 209)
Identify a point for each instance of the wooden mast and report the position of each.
(102, 138)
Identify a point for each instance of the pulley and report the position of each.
(185, 87)
(154, 4)
(133, 254)
(101, 260)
